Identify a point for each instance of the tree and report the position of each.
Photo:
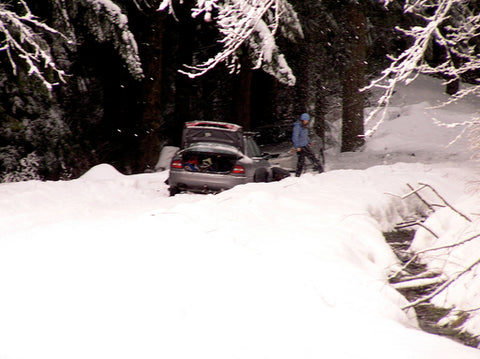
(32, 134)
(151, 26)
(222, 44)
(344, 40)
(45, 125)
(243, 39)
(249, 23)
(354, 78)
(363, 37)
(125, 96)
(22, 41)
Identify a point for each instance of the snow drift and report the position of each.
(109, 266)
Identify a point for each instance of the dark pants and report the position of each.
(307, 152)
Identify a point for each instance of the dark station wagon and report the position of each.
(216, 156)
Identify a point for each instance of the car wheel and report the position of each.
(261, 175)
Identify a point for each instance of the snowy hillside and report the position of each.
(109, 266)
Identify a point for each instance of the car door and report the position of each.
(254, 152)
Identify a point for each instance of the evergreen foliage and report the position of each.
(131, 72)
(46, 131)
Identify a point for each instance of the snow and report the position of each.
(109, 266)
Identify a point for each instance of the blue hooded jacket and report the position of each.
(300, 135)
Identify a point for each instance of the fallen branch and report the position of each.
(426, 274)
(444, 201)
(442, 287)
(418, 282)
(417, 254)
(416, 223)
(415, 192)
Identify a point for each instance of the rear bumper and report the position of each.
(203, 182)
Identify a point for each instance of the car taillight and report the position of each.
(176, 164)
(239, 170)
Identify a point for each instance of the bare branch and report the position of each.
(415, 192)
(428, 229)
(432, 249)
(413, 223)
(445, 201)
(442, 287)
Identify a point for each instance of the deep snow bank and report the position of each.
(463, 295)
(110, 267)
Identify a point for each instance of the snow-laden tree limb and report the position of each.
(453, 26)
(107, 23)
(249, 23)
(21, 41)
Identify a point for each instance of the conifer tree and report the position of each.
(45, 52)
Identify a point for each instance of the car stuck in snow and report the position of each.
(216, 156)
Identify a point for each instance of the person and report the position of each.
(301, 144)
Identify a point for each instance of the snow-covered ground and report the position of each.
(109, 266)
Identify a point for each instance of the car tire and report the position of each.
(261, 175)
(173, 191)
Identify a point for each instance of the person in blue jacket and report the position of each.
(301, 144)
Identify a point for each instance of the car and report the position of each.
(216, 156)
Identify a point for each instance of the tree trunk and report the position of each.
(353, 81)
(452, 87)
(241, 106)
(150, 138)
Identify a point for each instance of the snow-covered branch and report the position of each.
(248, 23)
(449, 24)
(107, 23)
(443, 286)
(21, 41)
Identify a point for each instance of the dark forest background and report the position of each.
(104, 115)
